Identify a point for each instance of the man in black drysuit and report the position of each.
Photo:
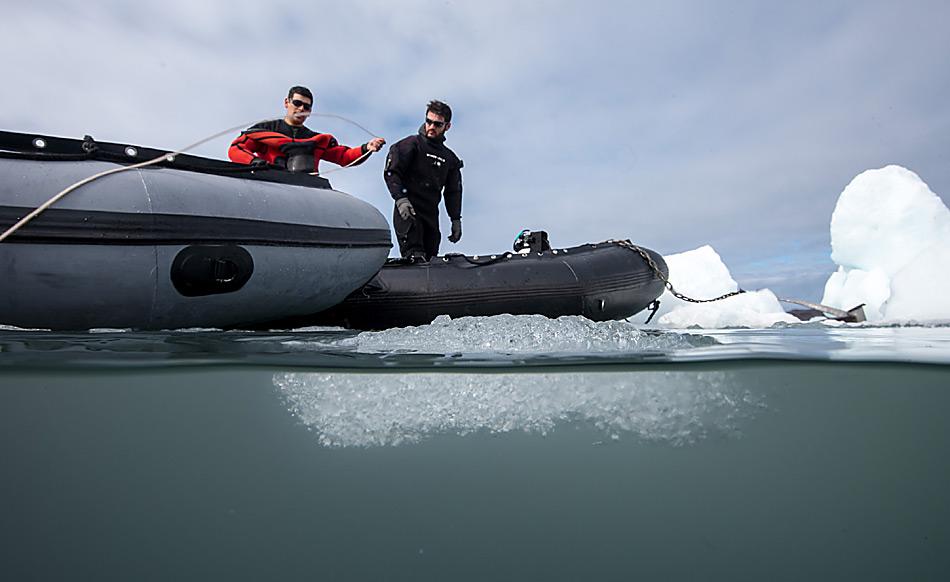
(418, 168)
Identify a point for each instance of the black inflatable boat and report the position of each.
(603, 281)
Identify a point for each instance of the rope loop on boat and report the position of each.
(666, 281)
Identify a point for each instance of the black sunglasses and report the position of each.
(434, 123)
(304, 104)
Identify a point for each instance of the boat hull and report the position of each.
(160, 248)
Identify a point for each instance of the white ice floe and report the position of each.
(890, 236)
(700, 273)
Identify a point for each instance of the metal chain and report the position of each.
(659, 273)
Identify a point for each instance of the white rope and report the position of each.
(169, 157)
(354, 162)
(39, 210)
(346, 119)
(350, 165)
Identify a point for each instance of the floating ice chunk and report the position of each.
(696, 273)
(751, 309)
(890, 236)
(701, 274)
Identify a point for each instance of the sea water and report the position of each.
(504, 448)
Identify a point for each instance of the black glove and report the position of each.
(405, 209)
(456, 231)
(259, 163)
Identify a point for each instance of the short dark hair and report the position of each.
(440, 108)
(300, 91)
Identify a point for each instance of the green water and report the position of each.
(728, 470)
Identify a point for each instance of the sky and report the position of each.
(675, 124)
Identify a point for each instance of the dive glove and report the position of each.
(456, 231)
(405, 209)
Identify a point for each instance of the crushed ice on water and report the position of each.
(379, 409)
(519, 334)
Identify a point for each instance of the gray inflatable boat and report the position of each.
(191, 242)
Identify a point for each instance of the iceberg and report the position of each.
(890, 237)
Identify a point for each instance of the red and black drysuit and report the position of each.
(293, 147)
(418, 168)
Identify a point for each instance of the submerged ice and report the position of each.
(380, 409)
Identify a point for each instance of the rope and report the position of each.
(164, 157)
(350, 165)
(346, 119)
(354, 162)
(666, 282)
(62, 194)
